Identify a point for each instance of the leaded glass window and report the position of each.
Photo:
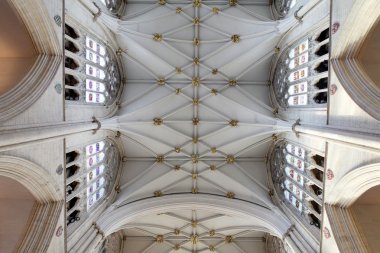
(301, 75)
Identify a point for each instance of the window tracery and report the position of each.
(92, 74)
(283, 7)
(301, 75)
(297, 175)
(90, 173)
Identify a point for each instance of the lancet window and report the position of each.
(301, 75)
(92, 74)
(90, 173)
(297, 175)
(282, 7)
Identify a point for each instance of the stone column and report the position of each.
(12, 138)
(342, 136)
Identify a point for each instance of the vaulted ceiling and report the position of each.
(195, 116)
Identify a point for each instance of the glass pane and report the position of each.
(95, 148)
(95, 173)
(297, 88)
(294, 189)
(296, 162)
(298, 100)
(95, 86)
(298, 75)
(294, 175)
(92, 44)
(300, 152)
(298, 61)
(93, 97)
(299, 49)
(91, 56)
(95, 72)
(95, 159)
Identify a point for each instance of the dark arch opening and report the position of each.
(317, 174)
(325, 34)
(70, 63)
(71, 32)
(321, 98)
(316, 190)
(322, 50)
(71, 80)
(72, 170)
(70, 46)
(73, 217)
(72, 203)
(322, 67)
(322, 83)
(314, 221)
(70, 188)
(318, 159)
(71, 156)
(71, 94)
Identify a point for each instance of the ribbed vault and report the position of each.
(195, 116)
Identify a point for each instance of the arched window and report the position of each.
(91, 70)
(114, 6)
(282, 7)
(90, 173)
(297, 175)
(301, 75)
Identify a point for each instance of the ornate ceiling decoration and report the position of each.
(193, 231)
(195, 115)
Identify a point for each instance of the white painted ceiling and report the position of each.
(177, 102)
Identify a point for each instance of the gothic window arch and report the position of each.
(92, 74)
(301, 75)
(114, 6)
(90, 175)
(297, 175)
(282, 7)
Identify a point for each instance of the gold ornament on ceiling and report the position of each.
(178, 70)
(197, 3)
(194, 176)
(228, 239)
(214, 92)
(211, 248)
(211, 232)
(235, 38)
(195, 140)
(194, 239)
(194, 158)
(196, 42)
(161, 2)
(160, 159)
(214, 71)
(194, 223)
(161, 81)
(232, 83)
(215, 10)
(177, 91)
(196, 21)
(212, 167)
(177, 231)
(194, 190)
(233, 2)
(230, 159)
(195, 121)
(157, 121)
(157, 194)
(178, 10)
(177, 168)
(230, 195)
(159, 238)
(195, 81)
(157, 37)
(233, 123)
(196, 61)
(213, 150)
(177, 149)
(195, 101)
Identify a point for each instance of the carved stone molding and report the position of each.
(41, 29)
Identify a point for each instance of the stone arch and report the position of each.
(340, 210)
(274, 221)
(350, 62)
(40, 27)
(48, 201)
